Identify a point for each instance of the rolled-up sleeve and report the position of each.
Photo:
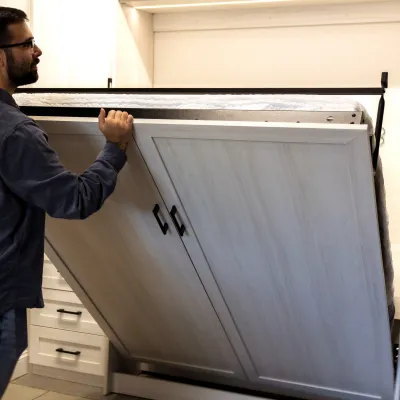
(32, 170)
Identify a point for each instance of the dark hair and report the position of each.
(9, 16)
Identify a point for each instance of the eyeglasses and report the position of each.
(28, 44)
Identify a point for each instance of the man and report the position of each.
(33, 182)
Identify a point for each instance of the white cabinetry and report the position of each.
(171, 320)
(258, 201)
(221, 240)
(63, 336)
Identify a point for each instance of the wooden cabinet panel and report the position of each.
(286, 219)
(142, 281)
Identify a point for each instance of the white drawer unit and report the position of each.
(64, 310)
(64, 337)
(72, 351)
(52, 279)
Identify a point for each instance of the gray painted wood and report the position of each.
(157, 389)
(286, 218)
(143, 283)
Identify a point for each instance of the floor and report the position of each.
(32, 387)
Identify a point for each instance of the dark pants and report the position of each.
(13, 342)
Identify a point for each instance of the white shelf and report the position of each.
(163, 6)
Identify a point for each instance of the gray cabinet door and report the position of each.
(142, 282)
(285, 219)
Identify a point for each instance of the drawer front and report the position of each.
(52, 279)
(66, 350)
(64, 310)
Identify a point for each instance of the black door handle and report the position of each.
(181, 229)
(164, 227)
(74, 353)
(62, 311)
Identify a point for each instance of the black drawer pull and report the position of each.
(62, 311)
(164, 228)
(74, 353)
(181, 229)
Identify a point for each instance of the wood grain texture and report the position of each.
(286, 219)
(142, 282)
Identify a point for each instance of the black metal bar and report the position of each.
(74, 353)
(379, 120)
(378, 131)
(138, 113)
(62, 311)
(181, 229)
(385, 80)
(238, 91)
(156, 113)
(178, 114)
(163, 227)
(109, 83)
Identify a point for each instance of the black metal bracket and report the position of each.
(379, 119)
(215, 91)
(180, 228)
(163, 227)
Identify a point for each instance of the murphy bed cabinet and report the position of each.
(199, 262)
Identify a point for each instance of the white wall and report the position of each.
(133, 66)
(77, 38)
(85, 42)
(340, 45)
(23, 5)
(289, 57)
(347, 45)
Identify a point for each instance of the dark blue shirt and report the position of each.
(33, 182)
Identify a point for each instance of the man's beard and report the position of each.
(20, 75)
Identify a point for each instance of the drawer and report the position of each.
(72, 351)
(52, 279)
(64, 310)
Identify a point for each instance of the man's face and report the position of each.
(21, 64)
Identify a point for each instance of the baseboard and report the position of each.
(146, 387)
(22, 366)
(70, 376)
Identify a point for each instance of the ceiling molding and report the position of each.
(168, 6)
(313, 15)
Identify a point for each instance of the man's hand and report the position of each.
(116, 127)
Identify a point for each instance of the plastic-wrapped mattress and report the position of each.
(192, 101)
